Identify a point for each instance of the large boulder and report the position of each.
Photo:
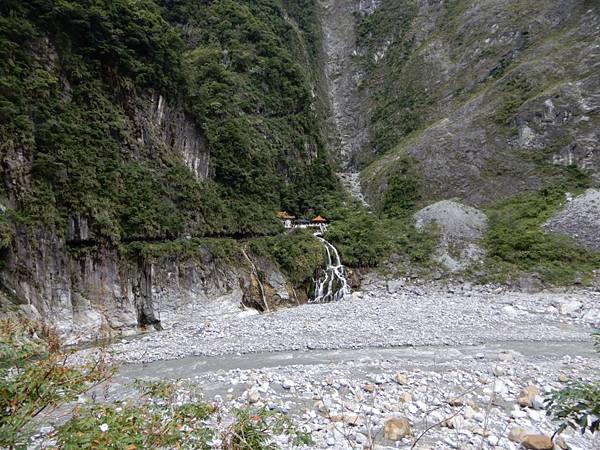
(461, 228)
(579, 219)
(537, 442)
(396, 428)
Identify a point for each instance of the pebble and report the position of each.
(438, 318)
(538, 402)
(401, 379)
(288, 384)
(406, 397)
(518, 414)
(252, 395)
(493, 440)
(534, 415)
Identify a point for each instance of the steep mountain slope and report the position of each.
(493, 104)
(134, 132)
(488, 99)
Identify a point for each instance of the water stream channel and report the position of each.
(333, 284)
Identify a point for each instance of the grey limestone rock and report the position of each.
(166, 124)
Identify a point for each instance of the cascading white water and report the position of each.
(333, 285)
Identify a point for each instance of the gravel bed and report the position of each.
(463, 398)
(372, 319)
(451, 362)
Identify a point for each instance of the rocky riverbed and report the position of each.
(389, 315)
(395, 366)
(466, 397)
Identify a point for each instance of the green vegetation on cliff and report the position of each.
(398, 96)
(365, 240)
(298, 255)
(77, 75)
(517, 244)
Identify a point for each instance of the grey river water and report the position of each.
(409, 356)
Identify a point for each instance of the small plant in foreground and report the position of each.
(132, 427)
(169, 417)
(253, 430)
(577, 404)
(36, 379)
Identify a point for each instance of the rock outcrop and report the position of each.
(166, 126)
(94, 292)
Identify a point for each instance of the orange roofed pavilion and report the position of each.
(319, 219)
(283, 215)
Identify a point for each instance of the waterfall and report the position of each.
(333, 284)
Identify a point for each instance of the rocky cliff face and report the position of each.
(133, 135)
(94, 292)
(87, 289)
(579, 219)
(344, 77)
(161, 124)
(488, 99)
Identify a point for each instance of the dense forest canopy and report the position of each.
(75, 75)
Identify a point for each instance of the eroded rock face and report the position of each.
(85, 295)
(502, 106)
(349, 133)
(269, 293)
(164, 124)
(88, 290)
(461, 228)
(579, 219)
(93, 292)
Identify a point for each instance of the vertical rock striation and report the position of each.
(344, 76)
(94, 292)
(162, 124)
